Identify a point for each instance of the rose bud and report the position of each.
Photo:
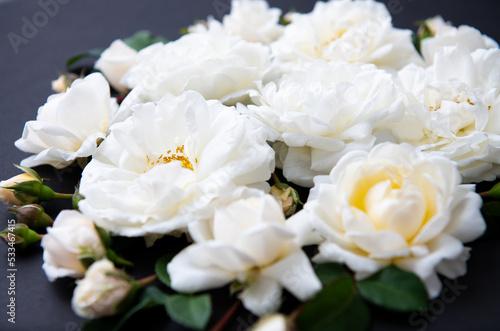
(70, 246)
(27, 188)
(8, 196)
(287, 197)
(63, 82)
(34, 216)
(19, 235)
(102, 291)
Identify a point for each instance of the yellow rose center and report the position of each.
(178, 156)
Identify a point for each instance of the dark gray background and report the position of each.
(80, 25)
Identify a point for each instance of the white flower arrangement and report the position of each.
(216, 137)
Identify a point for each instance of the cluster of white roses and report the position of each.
(338, 99)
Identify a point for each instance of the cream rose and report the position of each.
(213, 63)
(169, 163)
(321, 111)
(395, 206)
(101, 291)
(70, 124)
(352, 31)
(71, 238)
(248, 242)
(453, 109)
(447, 35)
(254, 21)
(115, 61)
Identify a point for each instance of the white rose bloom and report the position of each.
(70, 124)
(249, 243)
(117, 59)
(395, 206)
(102, 290)
(72, 236)
(447, 35)
(453, 109)
(352, 31)
(213, 63)
(254, 21)
(166, 164)
(323, 110)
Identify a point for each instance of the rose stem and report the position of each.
(275, 178)
(227, 316)
(147, 280)
(485, 194)
(63, 196)
(293, 315)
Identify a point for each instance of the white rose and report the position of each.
(101, 291)
(325, 109)
(395, 206)
(453, 109)
(213, 63)
(248, 242)
(167, 164)
(446, 35)
(70, 124)
(352, 31)
(72, 237)
(117, 59)
(254, 21)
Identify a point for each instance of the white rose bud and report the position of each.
(101, 292)
(64, 81)
(72, 240)
(7, 196)
(115, 61)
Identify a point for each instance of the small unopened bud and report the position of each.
(287, 196)
(274, 322)
(63, 82)
(102, 292)
(77, 197)
(430, 27)
(27, 188)
(7, 195)
(19, 236)
(34, 216)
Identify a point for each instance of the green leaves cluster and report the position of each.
(341, 304)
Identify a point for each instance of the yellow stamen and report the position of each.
(179, 155)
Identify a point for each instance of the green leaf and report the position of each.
(161, 268)
(337, 307)
(494, 193)
(328, 272)
(491, 214)
(29, 171)
(103, 235)
(113, 257)
(188, 310)
(395, 289)
(95, 53)
(150, 297)
(142, 39)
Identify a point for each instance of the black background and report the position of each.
(81, 25)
